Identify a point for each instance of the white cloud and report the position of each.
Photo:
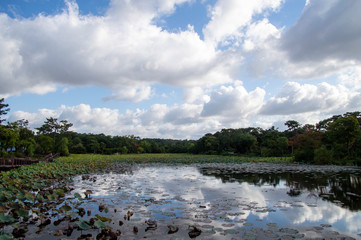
(188, 120)
(158, 121)
(195, 95)
(117, 51)
(327, 30)
(296, 98)
(351, 78)
(324, 41)
(233, 102)
(132, 94)
(258, 33)
(229, 17)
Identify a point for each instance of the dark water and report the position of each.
(225, 202)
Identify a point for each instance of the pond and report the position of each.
(216, 201)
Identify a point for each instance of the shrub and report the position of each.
(323, 155)
(305, 156)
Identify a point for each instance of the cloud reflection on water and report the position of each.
(186, 189)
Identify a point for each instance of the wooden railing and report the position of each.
(18, 162)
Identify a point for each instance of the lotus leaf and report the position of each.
(30, 196)
(103, 219)
(6, 236)
(78, 196)
(60, 192)
(83, 225)
(7, 218)
(22, 213)
(65, 208)
(99, 224)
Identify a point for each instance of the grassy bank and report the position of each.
(172, 158)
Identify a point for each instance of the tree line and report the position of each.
(335, 140)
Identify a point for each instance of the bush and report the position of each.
(63, 147)
(323, 156)
(305, 156)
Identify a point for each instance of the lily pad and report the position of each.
(22, 213)
(78, 196)
(65, 208)
(103, 219)
(6, 236)
(7, 218)
(99, 224)
(83, 225)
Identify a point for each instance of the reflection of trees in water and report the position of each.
(338, 187)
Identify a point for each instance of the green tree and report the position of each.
(273, 143)
(292, 125)
(208, 144)
(62, 147)
(52, 127)
(8, 139)
(93, 145)
(146, 146)
(323, 155)
(344, 132)
(77, 146)
(44, 144)
(4, 109)
(243, 142)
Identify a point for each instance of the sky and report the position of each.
(179, 68)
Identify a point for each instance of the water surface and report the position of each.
(245, 201)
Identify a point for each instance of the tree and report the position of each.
(243, 142)
(62, 148)
(207, 144)
(323, 155)
(44, 144)
(292, 125)
(273, 143)
(146, 146)
(77, 146)
(323, 125)
(3, 109)
(52, 127)
(93, 145)
(344, 132)
(8, 138)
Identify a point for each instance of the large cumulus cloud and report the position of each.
(324, 41)
(295, 98)
(124, 48)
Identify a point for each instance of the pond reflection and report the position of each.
(226, 202)
(342, 187)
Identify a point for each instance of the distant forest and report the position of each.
(335, 140)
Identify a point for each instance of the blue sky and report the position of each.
(179, 68)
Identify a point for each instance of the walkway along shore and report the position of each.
(8, 163)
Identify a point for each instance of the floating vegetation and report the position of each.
(180, 196)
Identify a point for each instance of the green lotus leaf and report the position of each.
(60, 192)
(78, 196)
(66, 208)
(7, 218)
(22, 213)
(40, 198)
(73, 214)
(29, 196)
(103, 219)
(83, 225)
(99, 224)
(6, 236)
